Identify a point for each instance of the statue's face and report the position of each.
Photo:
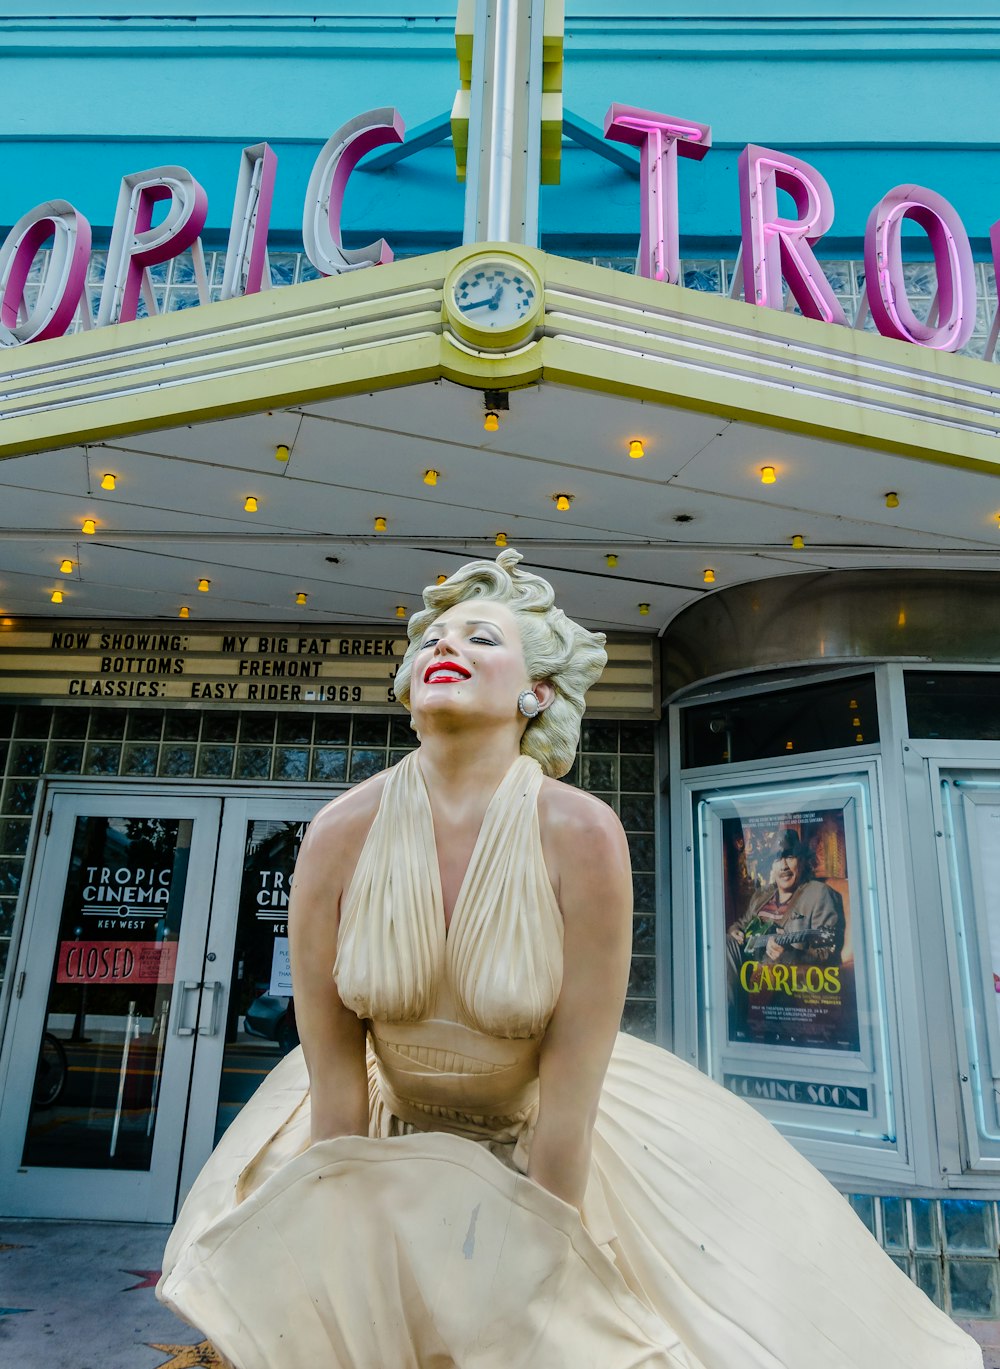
(470, 665)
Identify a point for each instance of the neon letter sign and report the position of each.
(135, 245)
(60, 292)
(325, 195)
(660, 137)
(991, 341)
(775, 247)
(956, 277)
(246, 253)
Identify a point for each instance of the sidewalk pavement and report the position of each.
(79, 1295)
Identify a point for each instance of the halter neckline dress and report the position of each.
(425, 1246)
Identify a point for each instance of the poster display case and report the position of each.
(793, 1000)
(969, 862)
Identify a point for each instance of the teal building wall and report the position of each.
(98, 88)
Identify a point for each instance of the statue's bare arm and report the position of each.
(332, 1036)
(588, 858)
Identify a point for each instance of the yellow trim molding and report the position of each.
(388, 327)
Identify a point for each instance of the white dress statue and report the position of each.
(466, 1166)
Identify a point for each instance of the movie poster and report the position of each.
(790, 972)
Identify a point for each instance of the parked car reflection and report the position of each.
(272, 1016)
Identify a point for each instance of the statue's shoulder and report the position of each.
(346, 820)
(562, 808)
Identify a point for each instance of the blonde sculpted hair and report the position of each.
(555, 649)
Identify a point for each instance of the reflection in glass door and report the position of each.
(260, 1024)
(105, 1034)
(100, 1052)
(249, 934)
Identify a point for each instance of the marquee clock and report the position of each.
(493, 300)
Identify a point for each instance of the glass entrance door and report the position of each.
(153, 996)
(111, 996)
(248, 936)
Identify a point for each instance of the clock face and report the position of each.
(494, 295)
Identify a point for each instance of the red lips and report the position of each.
(446, 668)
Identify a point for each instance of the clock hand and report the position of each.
(479, 304)
(495, 301)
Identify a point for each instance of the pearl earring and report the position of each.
(527, 703)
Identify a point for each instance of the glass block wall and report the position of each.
(715, 275)
(615, 763)
(947, 1246)
(174, 284)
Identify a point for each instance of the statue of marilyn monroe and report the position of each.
(466, 1165)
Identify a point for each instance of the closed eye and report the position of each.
(483, 641)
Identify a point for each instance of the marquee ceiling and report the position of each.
(694, 501)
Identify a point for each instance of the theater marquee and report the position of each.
(340, 668)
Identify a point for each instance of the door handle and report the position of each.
(215, 989)
(187, 987)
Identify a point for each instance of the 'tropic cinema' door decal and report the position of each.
(105, 1032)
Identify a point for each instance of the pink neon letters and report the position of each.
(991, 341)
(776, 250)
(774, 247)
(136, 245)
(246, 254)
(325, 195)
(60, 292)
(956, 280)
(660, 138)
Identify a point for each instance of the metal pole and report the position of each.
(504, 159)
(131, 1029)
(161, 1037)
